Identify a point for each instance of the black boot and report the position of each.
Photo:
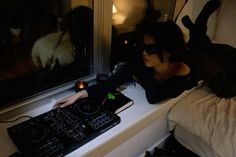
(210, 7)
(187, 22)
(197, 31)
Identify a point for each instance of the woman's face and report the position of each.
(150, 59)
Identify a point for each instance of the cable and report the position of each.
(110, 96)
(180, 11)
(10, 121)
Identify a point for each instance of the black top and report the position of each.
(155, 90)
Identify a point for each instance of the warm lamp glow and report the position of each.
(114, 10)
(81, 85)
(118, 19)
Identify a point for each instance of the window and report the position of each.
(127, 18)
(29, 68)
(128, 13)
(34, 55)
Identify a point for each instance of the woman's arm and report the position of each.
(98, 90)
(71, 99)
(123, 75)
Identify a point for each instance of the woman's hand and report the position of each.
(70, 99)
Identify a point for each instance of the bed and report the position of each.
(203, 122)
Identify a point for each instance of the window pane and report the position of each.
(43, 44)
(127, 15)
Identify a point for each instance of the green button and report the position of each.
(111, 96)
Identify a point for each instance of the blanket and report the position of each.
(208, 117)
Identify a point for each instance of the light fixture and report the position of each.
(114, 10)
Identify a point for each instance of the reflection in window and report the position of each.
(43, 43)
(127, 20)
(130, 12)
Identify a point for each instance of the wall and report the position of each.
(226, 23)
(221, 24)
(193, 8)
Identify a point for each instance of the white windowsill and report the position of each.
(133, 120)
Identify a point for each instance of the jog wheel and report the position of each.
(87, 107)
(33, 133)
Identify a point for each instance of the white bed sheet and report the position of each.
(210, 118)
(193, 143)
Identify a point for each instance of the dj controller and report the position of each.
(61, 130)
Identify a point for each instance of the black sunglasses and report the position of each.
(151, 49)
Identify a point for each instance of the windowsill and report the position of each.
(133, 120)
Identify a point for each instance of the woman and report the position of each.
(160, 69)
(214, 62)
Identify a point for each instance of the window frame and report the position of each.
(101, 58)
(102, 35)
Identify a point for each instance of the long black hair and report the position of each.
(79, 24)
(168, 37)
